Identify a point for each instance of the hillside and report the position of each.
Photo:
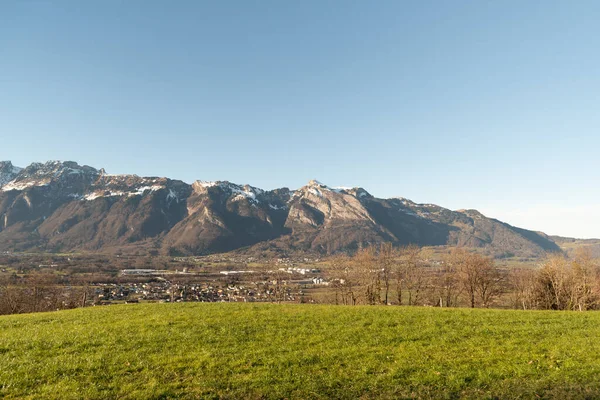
(63, 206)
(253, 351)
(571, 245)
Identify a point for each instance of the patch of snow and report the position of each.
(143, 189)
(207, 183)
(339, 189)
(172, 196)
(239, 197)
(21, 185)
(139, 192)
(274, 207)
(411, 213)
(403, 200)
(316, 185)
(242, 192)
(92, 196)
(315, 191)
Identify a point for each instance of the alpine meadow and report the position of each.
(256, 351)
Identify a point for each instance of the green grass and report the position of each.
(252, 351)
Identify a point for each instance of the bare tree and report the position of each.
(386, 260)
(448, 283)
(11, 298)
(346, 279)
(466, 266)
(478, 276)
(490, 283)
(410, 275)
(365, 261)
(584, 293)
(554, 283)
(522, 284)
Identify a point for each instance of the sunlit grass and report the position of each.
(298, 351)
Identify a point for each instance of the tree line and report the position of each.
(407, 276)
(40, 292)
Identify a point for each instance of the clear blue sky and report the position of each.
(491, 105)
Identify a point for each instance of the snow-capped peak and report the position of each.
(108, 185)
(317, 184)
(314, 182)
(207, 183)
(239, 192)
(315, 187)
(43, 174)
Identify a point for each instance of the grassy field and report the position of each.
(252, 351)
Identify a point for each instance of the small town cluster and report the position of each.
(290, 286)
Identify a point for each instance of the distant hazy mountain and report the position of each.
(62, 206)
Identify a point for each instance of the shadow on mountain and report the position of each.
(535, 237)
(409, 228)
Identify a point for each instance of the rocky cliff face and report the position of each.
(8, 172)
(62, 206)
(327, 219)
(222, 216)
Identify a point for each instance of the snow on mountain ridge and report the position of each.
(108, 185)
(137, 192)
(240, 191)
(100, 184)
(207, 183)
(315, 184)
(42, 174)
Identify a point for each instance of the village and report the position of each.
(289, 284)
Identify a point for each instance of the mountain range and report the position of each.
(63, 206)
